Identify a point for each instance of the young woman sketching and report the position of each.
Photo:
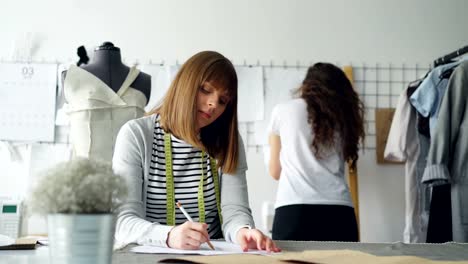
(189, 150)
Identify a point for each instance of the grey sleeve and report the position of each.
(235, 200)
(127, 162)
(450, 118)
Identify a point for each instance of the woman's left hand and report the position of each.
(255, 239)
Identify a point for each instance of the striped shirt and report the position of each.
(187, 173)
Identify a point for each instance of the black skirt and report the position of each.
(315, 222)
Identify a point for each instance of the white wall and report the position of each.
(292, 30)
(264, 31)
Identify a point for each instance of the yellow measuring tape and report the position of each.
(170, 196)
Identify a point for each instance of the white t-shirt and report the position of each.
(305, 179)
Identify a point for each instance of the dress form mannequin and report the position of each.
(108, 67)
(101, 97)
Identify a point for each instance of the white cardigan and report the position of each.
(132, 159)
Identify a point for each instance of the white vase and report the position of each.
(81, 238)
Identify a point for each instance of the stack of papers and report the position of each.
(7, 243)
(6, 240)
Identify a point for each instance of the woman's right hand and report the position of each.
(189, 235)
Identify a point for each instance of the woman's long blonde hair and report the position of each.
(178, 109)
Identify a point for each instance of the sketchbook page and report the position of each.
(222, 248)
(280, 83)
(27, 101)
(250, 93)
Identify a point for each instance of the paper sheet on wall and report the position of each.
(250, 93)
(242, 127)
(161, 78)
(14, 157)
(27, 101)
(61, 117)
(279, 85)
(222, 248)
(44, 156)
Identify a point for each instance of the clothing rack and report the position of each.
(450, 56)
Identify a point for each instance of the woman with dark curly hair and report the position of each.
(311, 137)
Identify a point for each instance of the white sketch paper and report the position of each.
(221, 248)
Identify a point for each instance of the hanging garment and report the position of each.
(423, 190)
(427, 97)
(97, 112)
(448, 152)
(402, 146)
(439, 227)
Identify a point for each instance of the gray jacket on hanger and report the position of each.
(448, 153)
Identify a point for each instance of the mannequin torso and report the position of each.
(108, 67)
(101, 97)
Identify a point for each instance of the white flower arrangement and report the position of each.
(79, 186)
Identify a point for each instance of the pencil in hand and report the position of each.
(179, 205)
